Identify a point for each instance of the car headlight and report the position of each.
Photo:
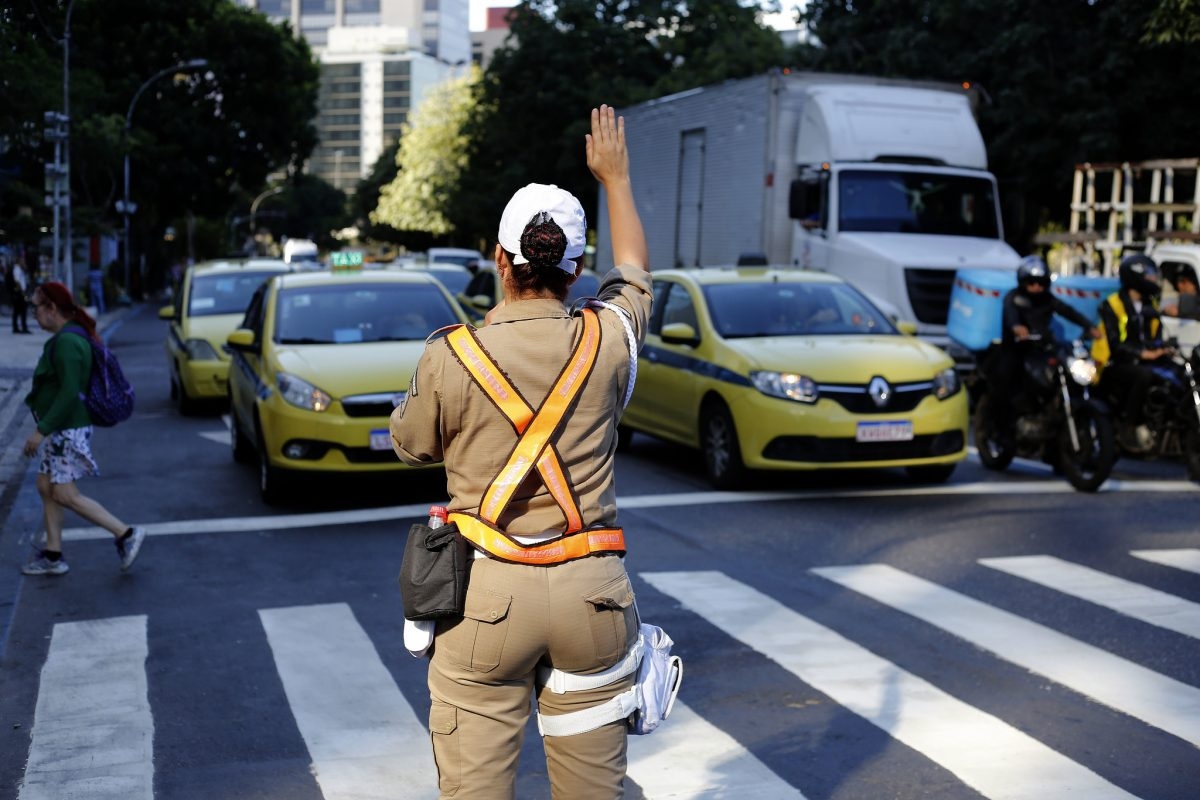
(200, 350)
(301, 393)
(1083, 370)
(787, 385)
(946, 383)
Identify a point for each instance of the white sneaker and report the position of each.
(128, 549)
(44, 566)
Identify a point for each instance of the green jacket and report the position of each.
(60, 376)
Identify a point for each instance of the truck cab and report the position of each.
(892, 193)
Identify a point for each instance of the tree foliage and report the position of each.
(1060, 83)
(431, 158)
(197, 141)
(566, 57)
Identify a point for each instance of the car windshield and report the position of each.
(223, 293)
(360, 312)
(742, 310)
(915, 202)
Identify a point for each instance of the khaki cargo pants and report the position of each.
(577, 617)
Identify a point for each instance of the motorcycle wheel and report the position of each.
(1091, 466)
(994, 453)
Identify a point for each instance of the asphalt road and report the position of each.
(845, 635)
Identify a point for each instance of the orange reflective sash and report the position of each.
(534, 447)
(565, 548)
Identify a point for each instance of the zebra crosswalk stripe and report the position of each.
(1183, 558)
(978, 748)
(1125, 597)
(1117, 683)
(363, 736)
(93, 733)
(689, 758)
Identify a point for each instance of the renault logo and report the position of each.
(879, 391)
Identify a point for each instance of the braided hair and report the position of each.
(544, 243)
(57, 293)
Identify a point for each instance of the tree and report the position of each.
(568, 56)
(195, 140)
(431, 158)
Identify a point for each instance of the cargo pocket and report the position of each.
(443, 721)
(483, 629)
(611, 619)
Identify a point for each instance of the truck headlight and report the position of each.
(787, 385)
(200, 350)
(946, 383)
(301, 393)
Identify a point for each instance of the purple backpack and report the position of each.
(109, 395)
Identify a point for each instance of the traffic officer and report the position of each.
(524, 414)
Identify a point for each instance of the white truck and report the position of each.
(882, 182)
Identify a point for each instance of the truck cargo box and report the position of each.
(977, 306)
(1084, 293)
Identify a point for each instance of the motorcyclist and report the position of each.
(1028, 311)
(1132, 341)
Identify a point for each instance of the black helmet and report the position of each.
(1032, 269)
(1140, 273)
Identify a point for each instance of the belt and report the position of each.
(581, 544)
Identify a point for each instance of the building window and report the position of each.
(316, 6)
(396, 85)
(431, 5)
(340, 136)
(275, 8)
(340, 119)
(344, 87)
(362, 6)
(391, 68)
(331, 104)
(341, 70)
(397, 119)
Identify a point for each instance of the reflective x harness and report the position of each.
(536, 430)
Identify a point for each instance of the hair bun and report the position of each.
(543, 242)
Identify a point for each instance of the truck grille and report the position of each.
(929, 293)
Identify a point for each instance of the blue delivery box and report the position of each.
(977, 306)
(1083, 293)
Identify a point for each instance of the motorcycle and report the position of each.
(1170, 425)
(1055, 416)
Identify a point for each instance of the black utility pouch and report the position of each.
(433, 574)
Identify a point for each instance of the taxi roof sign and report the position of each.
(346, 259)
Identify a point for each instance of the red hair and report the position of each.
(58, 294)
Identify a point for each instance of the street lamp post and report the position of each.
(68, 254)
(254, 211)
(125, 207)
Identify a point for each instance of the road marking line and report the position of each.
(688, 758)
(977, 747)
(364, 738)
(421, 510)
(93, 732)
(1186, 558)
(1125, 597)
(1155, 699)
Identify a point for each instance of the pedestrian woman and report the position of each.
(64, 430)
(524, 414)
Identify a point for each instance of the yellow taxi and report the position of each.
(791, 370)
(320, 361)
(208, 305)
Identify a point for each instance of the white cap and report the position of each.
(560, 204)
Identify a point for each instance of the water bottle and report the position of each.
(437, 516)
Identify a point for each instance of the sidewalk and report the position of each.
(19, 354)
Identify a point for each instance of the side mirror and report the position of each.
(679, 333)
(166, 312)
(907, 327)
(243, 340)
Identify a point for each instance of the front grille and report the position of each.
(372, 405)
(857, 401)
(929, 293)
(827, 451)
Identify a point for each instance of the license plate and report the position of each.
(381, 439)
(884, 432)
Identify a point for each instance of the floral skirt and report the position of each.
(67, 455)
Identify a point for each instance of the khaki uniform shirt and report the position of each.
(447, 417)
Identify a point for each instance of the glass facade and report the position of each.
(337, 157)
